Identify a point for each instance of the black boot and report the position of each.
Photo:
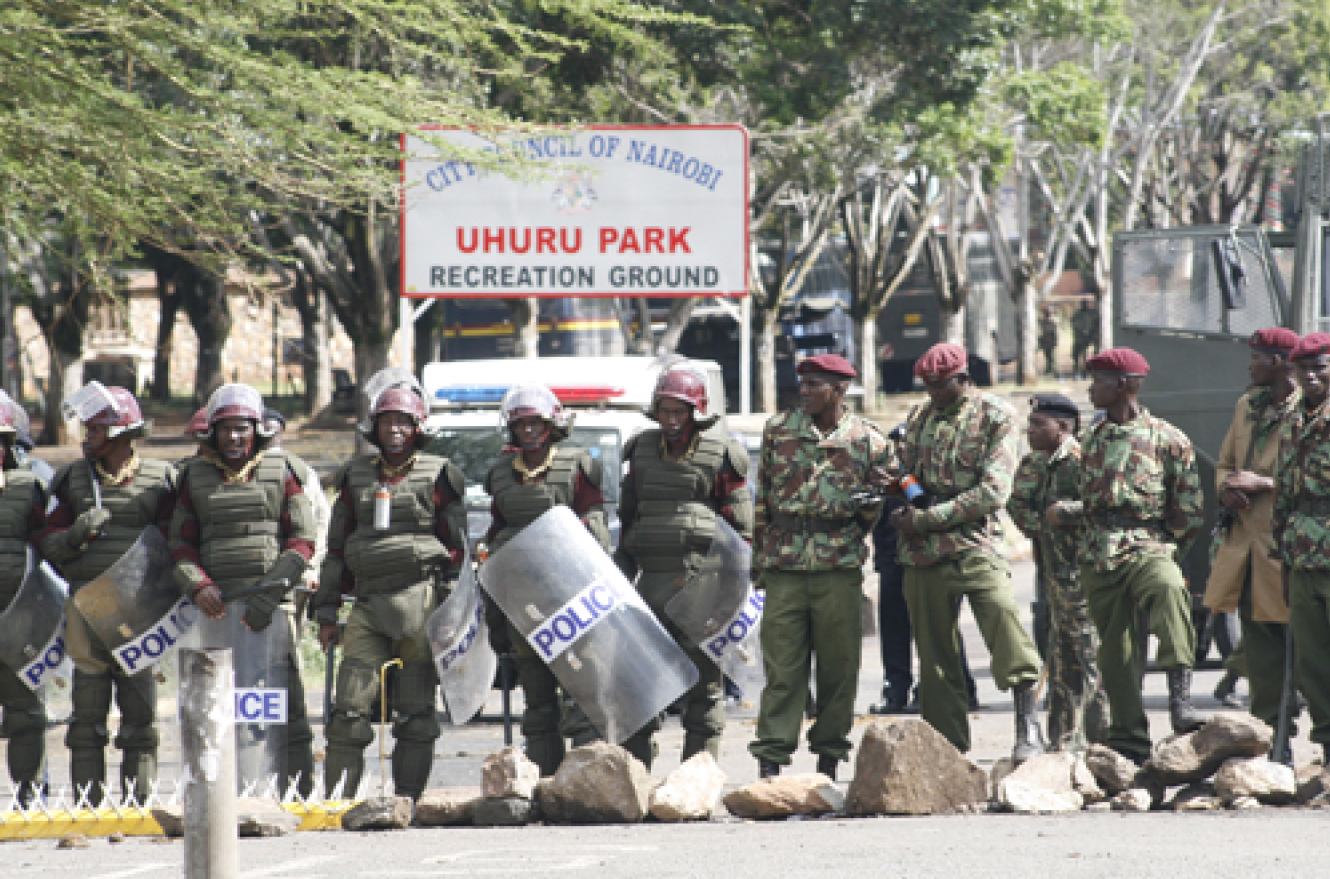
(1225, 691)
(767, 768)
(1029, 738)
(1181, 712)
(826, 764)
(894, 701)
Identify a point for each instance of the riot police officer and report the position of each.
(242, 519)
(397, 539)
(103, 503)
(534, 474)
(681, 476)
(22, 517)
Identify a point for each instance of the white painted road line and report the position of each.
(289, 866)
(545, 859)
(135, 871)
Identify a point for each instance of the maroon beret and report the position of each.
(1121, 360)
(1274, 339)
(832, 364)
(1311, 345)
(941, 362)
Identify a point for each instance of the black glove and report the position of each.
(260, 608)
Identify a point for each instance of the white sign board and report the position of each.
(620, 211)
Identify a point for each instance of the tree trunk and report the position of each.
(681, 311)
(1027, 334)
(764, 361)
(526, 326)
(203, 296)
(168, 305)
(952, 320)
(865, 341)
(66, 377)
(646, 334)
(316, 365)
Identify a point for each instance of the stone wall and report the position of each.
(131, 335)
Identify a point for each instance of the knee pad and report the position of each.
(350, 729)
(92, 696)
(423, 727)
(357, 687)
(137, 698)
(543, 720)
(417, 688)
(83, 734)
(136, 738)
(19, 722)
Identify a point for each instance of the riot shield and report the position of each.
(32, 629)
(135, 606)
(262, 665)
(588, 624)
(721, 613)
(460, 643)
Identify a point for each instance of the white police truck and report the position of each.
(609, 396)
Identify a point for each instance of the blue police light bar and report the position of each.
(471, 394)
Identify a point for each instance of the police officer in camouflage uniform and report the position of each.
(962, 448)
(103, 503)
(22, 517)
(1051, 472)
(242, 518)
(1139, 507)
(809, 549)
(1244, 578)
(681, 476)
(398, 571)
(1301, 535)
(535, 473)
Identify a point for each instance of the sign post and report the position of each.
(609, 211)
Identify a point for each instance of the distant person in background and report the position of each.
(1048, 340)
(1084, 336)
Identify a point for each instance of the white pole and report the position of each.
(406, 320)
(746, 355)
(208, 751)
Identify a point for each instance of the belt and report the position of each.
(1125, 520)
(810, 524)
(1317, 506)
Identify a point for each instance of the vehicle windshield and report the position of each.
(475, 449)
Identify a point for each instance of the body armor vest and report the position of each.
(520, 503)
(15, 506)
(676, 509)
(240, 524)
(409, 551)
(133, 507)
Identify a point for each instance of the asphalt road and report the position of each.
(1288, 842)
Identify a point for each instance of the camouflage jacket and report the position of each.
(1302, 492)
(1042, 480)
(1139, 490)
(964, 457)
(805, 475)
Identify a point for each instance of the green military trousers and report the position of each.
(1309, 609)
(548, 716)
(1151, 583)
(933, 595)
(1077, 705)
(703, 705)
(1263, 647)
(369, 643)
(25, 728)
(807, 614)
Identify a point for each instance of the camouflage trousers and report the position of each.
(1077, 705)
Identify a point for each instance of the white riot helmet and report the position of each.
(115, 408)
(535, 400)
(237, 401)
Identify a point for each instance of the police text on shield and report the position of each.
(567, 625)
(147, 649)
(740, 626)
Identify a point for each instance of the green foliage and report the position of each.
(169, 121)
(1064, 104)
